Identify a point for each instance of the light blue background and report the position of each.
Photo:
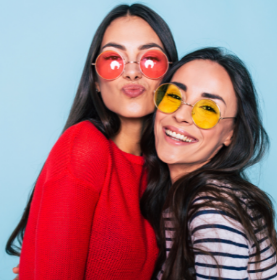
(43, 46)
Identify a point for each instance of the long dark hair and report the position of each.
(249, 143)
(88, 104)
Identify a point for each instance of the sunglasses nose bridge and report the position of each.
(132, 71)
(131, 61)
(185, 103)
(132, 68)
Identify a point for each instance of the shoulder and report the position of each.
(81, 140)
(212, 219)
(217, 237)
(81, 150)
(84, 132)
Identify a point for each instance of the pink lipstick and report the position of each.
(133, 91)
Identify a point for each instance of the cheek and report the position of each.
(156, 124)
(164, 151)
(212, 142)
(107, 88)
(155, 83)
(110, 98)
(158, 130)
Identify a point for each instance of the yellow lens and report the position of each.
(168, 98)
(205, 113)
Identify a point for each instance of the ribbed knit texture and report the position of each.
(85, 220)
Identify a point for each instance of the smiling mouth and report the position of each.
(179, 137)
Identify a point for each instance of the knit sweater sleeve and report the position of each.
(56, 240)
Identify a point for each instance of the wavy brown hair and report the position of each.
(249, 143)
(88, 104)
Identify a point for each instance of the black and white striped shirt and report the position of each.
(216, 232)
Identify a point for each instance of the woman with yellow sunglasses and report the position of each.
(213, 223)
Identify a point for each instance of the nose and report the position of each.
(132, 71)
(183, 114)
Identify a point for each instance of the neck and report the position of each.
(129, 135)
(179, 170)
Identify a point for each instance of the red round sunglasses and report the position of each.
(110, 65)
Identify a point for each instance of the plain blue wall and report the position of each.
(43, 47)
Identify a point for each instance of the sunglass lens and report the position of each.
(109, 65)
(205, 114)
(154, 64)
(168, 98)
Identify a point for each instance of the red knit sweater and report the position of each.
(85, 220)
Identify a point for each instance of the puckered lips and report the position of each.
(177, 136)
(133, 90)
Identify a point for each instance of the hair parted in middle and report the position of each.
(88, 104)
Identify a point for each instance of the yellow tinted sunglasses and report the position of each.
(205, 112)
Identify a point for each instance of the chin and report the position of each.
(167, 158)
(137, 113)
(140, 108)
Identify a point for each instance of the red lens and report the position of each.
(154, 64)
(109, 65)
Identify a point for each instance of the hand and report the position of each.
(16, 271)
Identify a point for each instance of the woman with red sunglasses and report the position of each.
(83, 220)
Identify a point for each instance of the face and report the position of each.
(131, 94)
(198, 79)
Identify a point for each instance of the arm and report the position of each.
(57, 236)
(63, 229)
(224, 239)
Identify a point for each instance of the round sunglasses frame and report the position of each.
(128, 62)
(191, 105)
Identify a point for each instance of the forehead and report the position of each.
(130, 31)
(205, 76)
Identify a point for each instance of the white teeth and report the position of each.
(178, 136)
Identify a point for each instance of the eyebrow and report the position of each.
(149, 46)
(204, 94)
(180, 85)
(213, 96)
(115, 46)
(142, 47)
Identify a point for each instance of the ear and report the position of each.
(228, 139)
(97, 86)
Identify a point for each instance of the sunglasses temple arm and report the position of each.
(228, 118)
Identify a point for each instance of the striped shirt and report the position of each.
(216, 232)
